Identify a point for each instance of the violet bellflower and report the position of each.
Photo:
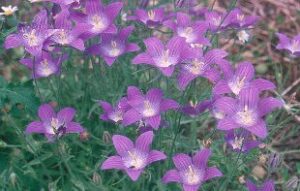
(267, 186)
(66, 34)
(54, 125)
(147, 108)
(235, 80)
(100, 17)
(164, 57)
(193, 32)
(216, 21)
(291, 45)
(116, 113)
(191, 172)
(133, 157)
(114, 45)
(239, 20)
(33, 36)
(247, 111)
(151, 18)
(60, 2)
(241, 141)
(200, 65)
(43, 66)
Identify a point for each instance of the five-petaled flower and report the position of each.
(291, 45)
(191, 172)
(54, 125)
(133, 158)
(9, 10)
(147, 107)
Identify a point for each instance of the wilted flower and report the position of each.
(43, 66)
(247, 111)
(133, 158)
(242, 77)
(193, 32)
(240, 141)
(150, 18)
(147, 107)
(54, 125)
(267, 186)
(33, 36)
(164, 57)
(200, 65)
(193, 109)
(191, 172)
(291, 45)
(100, 17)
(114, 114)
(114, 45)
(9, 10)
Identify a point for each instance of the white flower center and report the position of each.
(151, 15)
(149, 109)
(135, 159)
(44, 69)
(192, 176)
(116, 116)
(236, 85)
(217, 21)
(243, 36)
(115, 50)
(246, 117)
(31, 38)
(99, 23)
(196, 67)
(295, 46)
(187, 33)
(165, 59)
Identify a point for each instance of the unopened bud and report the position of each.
(207, 143)
(292, 183)
(274, 161)
(96, 178)
(84, 136)
(242, 179)
(106, 137)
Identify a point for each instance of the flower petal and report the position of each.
(267, 105)
(262, 84)
(113, 162)
(190, 187)
(35, 127)
(201, 157)
(122, 144)
(171, 176)
(12, 41)
(226, 124)
(154, 121)
(66, 114)
(251, 186)
(130, 117)
(74, 127)
(212, 172)
(245, 70)
(259, 129)
(168, 104)
(142, 58)
(154, 46)
(155, 156)
(143, 142)
(182, 161)
(46, 112)
(133, 174)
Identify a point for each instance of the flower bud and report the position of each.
(84, 136)
(274, 161)
(291, 184)
(106, 137)
(96, 178)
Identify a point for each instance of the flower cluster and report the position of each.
(238, 101)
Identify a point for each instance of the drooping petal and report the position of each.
(212, 172)
(122, 144)
(133, 174)
(227, 124)
(74, 127)
(113, 162)
(154, 121)
(105, 106)
(167, 71)
(155, 156)
(267, 105)
(201, 157)
(168, 104)
(35, 127)
(46, 112)
(12, 41)
(190, 187)
(171, 176)
(66, 114)
(144, 141)
(259, 129)
(182, 161)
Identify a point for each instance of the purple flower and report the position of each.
(133, 158)
(60, 2)
(216, 21)
(100, 17)
(165, 58)
(114, 45)
(193, 32)
(242, 77)
(241, 141)
(114, 114)
(43, 66)
(150, 18)
(291, 45)
(200, 65)
(66, 34)
(147, 107)
(240, 20)
(33, 36)
(54, 125)
(247, 111)
(267, 186)
(191, 172)
(193, 109)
